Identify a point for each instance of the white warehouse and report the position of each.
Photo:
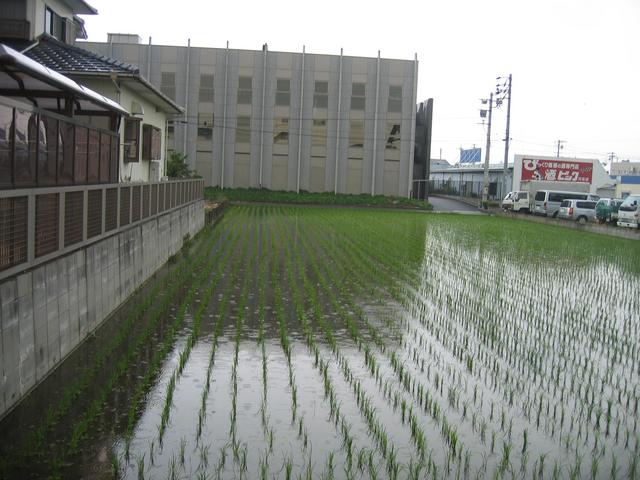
(285, 121)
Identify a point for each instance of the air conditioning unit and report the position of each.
(154, 171)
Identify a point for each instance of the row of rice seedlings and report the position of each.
(218, 263)
(223, 311)
(450, 392)
(81, 427)
(364, 402)
(217, 260)
(165, 284)
(503, 421)
(239, 452)
(413, 387)
(547, 404)
(339, 420)
(407, 413)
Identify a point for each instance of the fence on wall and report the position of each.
(39, 224)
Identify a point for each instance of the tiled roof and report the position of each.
(69, 59)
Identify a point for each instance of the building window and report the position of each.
(131, 140)
(395, 99)
(321, 94)
(357, 96)
(243, 134)
(151, 142)
(55, 25)
(243, 129)
(393, 136)
(205, 94)
(205, 126)
(281, 131)
(283, 92)
(168, 84)
(319, 132)
(356, 133)
(392, 146)
(244, 90)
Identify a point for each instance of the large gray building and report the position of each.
(285, 121)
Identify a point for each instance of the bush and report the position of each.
(177, 166)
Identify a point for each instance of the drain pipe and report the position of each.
(375, 129)
(300, 120)
(224, 114)
(186, 100)
(335, 183)
(264, 92)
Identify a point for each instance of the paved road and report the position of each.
(449, 205)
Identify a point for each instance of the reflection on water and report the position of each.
(413, 349)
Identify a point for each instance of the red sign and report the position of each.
(556, 170)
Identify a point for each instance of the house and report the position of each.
(45, 30)
(626, 175)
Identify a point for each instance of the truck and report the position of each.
(517, 202)
(629, 212)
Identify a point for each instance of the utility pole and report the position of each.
(485, 183)
(611, 156)
(560, 147)
(506, 138)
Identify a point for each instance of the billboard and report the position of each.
(471, 155)
(559, 170)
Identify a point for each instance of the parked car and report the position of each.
(547, 202)
(629, 212)
(579, 210)
(516, 201)
(607, 209)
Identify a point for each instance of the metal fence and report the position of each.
(39, 224)
(456, 188)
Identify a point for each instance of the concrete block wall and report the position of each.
(46, 312)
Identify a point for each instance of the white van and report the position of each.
(547, 202)
(629, 212)
(516, 201)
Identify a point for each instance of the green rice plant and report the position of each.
(140, 463)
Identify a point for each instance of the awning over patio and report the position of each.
(25, 79)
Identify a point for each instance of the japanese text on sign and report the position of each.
(556, 170)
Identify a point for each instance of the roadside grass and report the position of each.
(263, 195)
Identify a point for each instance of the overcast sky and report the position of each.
(575, 63)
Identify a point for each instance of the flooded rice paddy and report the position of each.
(333, 343)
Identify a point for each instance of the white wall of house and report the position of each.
(131, 171)
(36, 9)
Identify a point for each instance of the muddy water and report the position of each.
(473, 367)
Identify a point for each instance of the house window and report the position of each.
(131, 140)
(244, 90)
(55, 25)
(151, 142)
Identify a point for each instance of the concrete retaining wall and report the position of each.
(48, 311)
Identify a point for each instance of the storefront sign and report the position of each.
(556, 170)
